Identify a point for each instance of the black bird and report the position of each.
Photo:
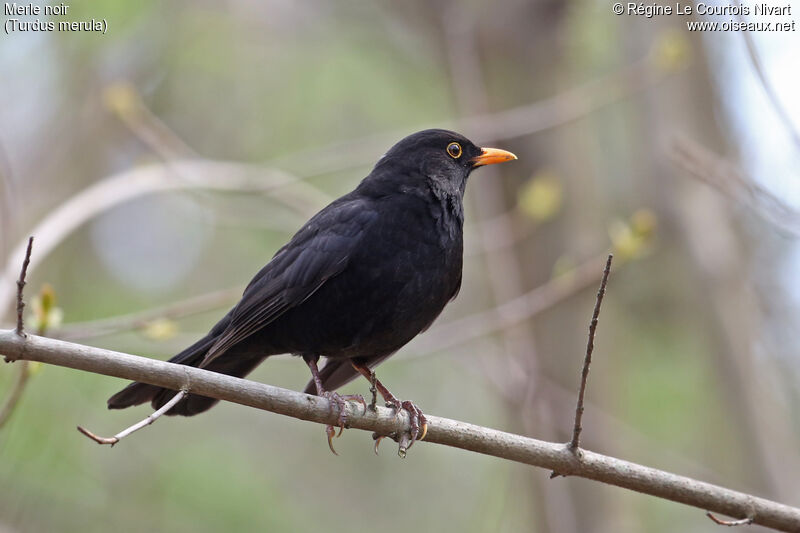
(358, 281)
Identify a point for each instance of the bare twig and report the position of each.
(20, 287)
(576, 430)
(731, 523)
(552, 456)
(139, 425)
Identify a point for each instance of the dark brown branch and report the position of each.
(552, 456)
(20, 286)
(576, 430)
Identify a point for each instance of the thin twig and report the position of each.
(136, 427)
(552, 456)
(576, 430)
(731, 523)
(20, 286)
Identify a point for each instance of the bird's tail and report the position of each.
(233, 364)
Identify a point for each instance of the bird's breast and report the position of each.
(406, 269)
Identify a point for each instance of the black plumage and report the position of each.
(358, 281)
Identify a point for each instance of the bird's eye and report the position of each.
(454, 149)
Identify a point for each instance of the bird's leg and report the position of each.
(373, 390)
(373, 383)
(334, 398)
(417, 419)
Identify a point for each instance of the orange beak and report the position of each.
(490, 156)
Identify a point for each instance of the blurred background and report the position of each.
(160, 165)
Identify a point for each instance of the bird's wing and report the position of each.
(318, 252)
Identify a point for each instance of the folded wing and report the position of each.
(318, 252)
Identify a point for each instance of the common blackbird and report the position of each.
(358, 281)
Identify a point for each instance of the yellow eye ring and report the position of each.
(454, 150)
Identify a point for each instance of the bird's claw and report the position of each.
(331, 432)
(378, 438)
(417, 422)
(417, 419)
(341, 405)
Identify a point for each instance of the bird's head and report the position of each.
(443, 157)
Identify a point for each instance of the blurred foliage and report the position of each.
(542, 196)
(672, 51)
(631, 239)
(160, 329)
(45, 316)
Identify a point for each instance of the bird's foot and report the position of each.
(417, 422)
(341, 404)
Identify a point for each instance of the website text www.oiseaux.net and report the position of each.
(772, 17)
